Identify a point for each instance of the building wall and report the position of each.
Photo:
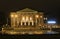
(26, 19)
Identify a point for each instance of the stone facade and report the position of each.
(26, 17)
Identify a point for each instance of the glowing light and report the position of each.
(23, 18)
(27, 18)
(16, 15)
(12, 15)
(51, 22)
(37, 16)
(30, 18)
(40, 16)
(45, 18)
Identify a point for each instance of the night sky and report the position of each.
(51, 8)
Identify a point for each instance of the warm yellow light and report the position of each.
(23, 18)
(30, 18)
(16, 15)
(12, 15)
(27, 18)
(37, 16)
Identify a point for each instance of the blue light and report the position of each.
(51, 22)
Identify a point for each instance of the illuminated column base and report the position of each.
(21, 23)
(32, 23)
(25, 23)
(29, 23)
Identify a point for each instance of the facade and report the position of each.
(26, 17)
(25, 21)
(28, 21)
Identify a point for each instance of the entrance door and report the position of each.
(34, 24)
(30, 23)
(26, 23)
(23, 23)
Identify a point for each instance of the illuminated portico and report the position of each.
(25, 21)
(26, 17)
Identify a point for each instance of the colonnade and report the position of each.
(27, 23)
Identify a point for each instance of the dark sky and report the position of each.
(50, 7)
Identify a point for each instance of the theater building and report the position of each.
(26, 17)
(25, 21)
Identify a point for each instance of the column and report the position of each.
(28, 23)
(17, 22)
(32, 23)
(24, 23)
(21, 23)
(36, 21)
(11, 22)
(14, 22)
(39, 22)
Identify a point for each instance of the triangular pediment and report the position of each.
(27, 10)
